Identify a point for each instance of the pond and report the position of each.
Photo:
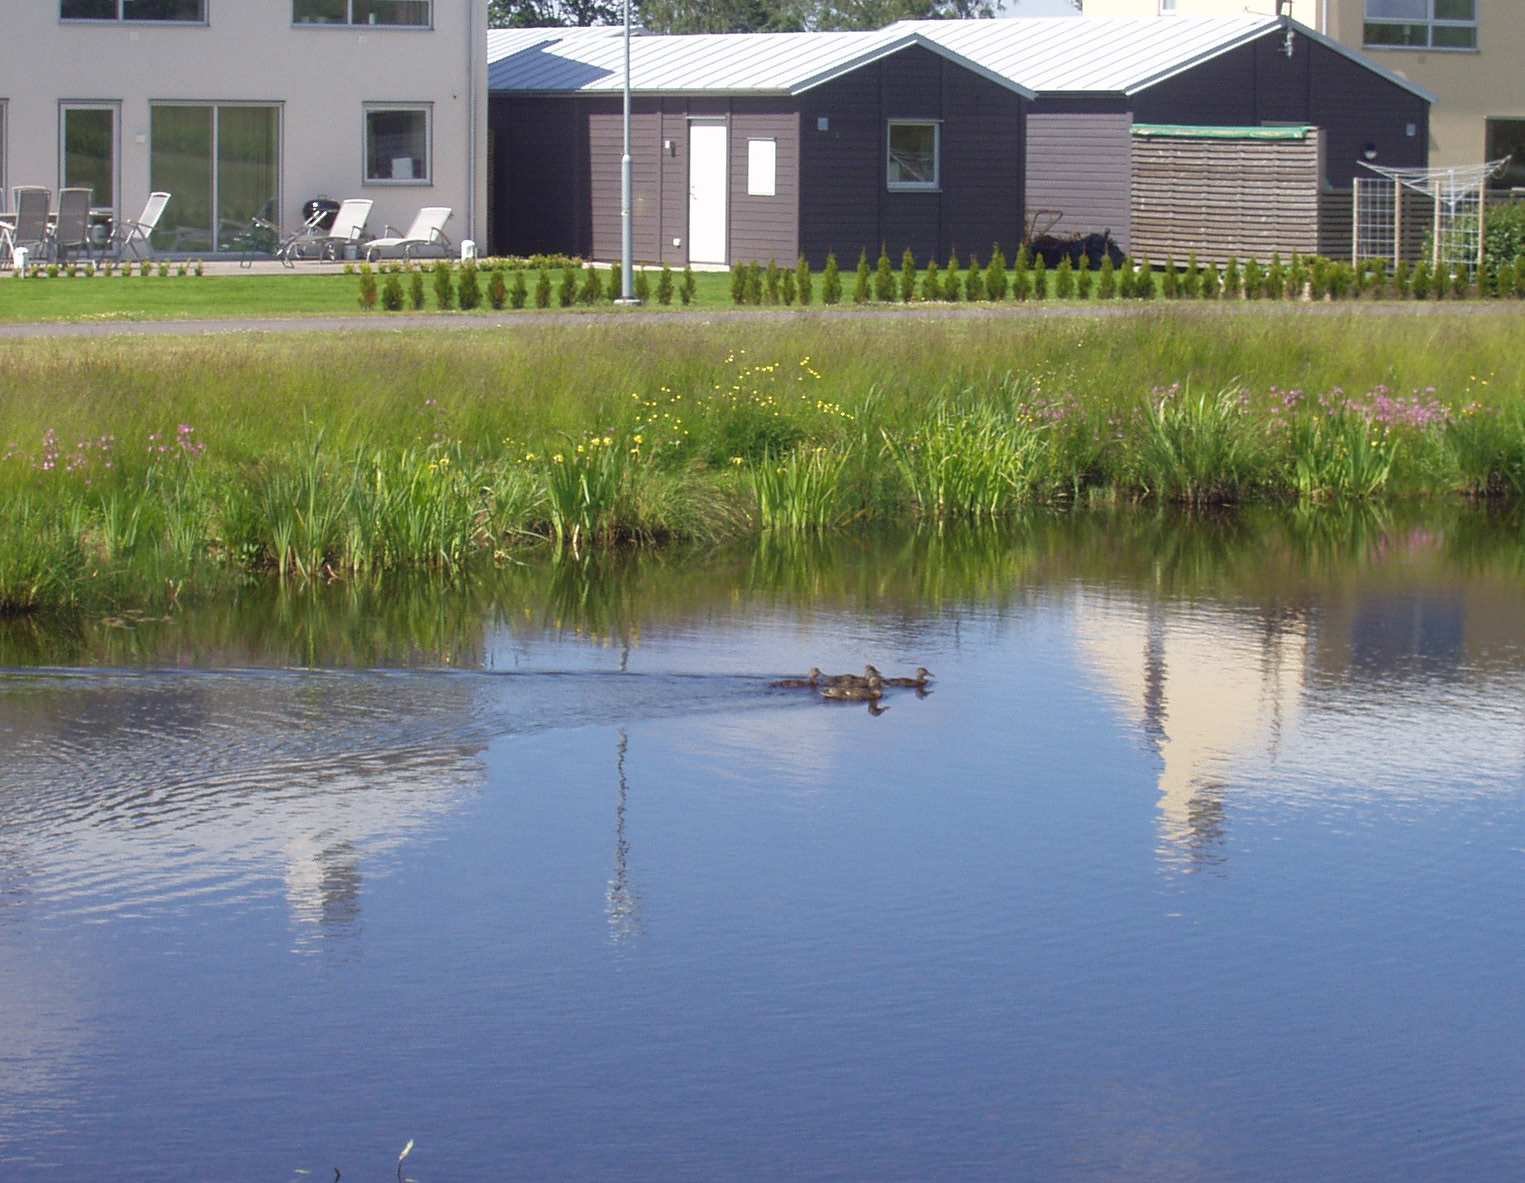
(1203, 858)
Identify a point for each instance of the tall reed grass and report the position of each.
(192, 461)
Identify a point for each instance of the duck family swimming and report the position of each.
(869, 686)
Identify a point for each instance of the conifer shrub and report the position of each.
(518, 291)
(368, 293)
(932, 282)
(974, 281)
(771, 281)
(803, 280)
(497, 290)
(1233, 282)
(1085, 279)
(863, 288)
(754, 284)
(1401, 280)
(566, 293)
(1040, 278)
(907, 277)
(884, 278)
(831, 281)
(1461, 283)
(1064, 279)
(1106, 280)
(1143, 280)
(665, 286)
(787, 288)
(415, 288)
(689, 287)
(997, 276)
(1127, 276)
(1170, 281)
(738, 283)
(1191, 279)
(591, 290)
(953, 283)
(469, 292)
(1254, 280)
(1276, 278)
(640, 285)
(1419, 281)
(392, 298)
(444, 286)
(1210, 284)
(1440, 281)
(1021, 274)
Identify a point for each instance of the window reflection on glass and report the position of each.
(397, 144)
(1506, 139)
(220, 166)
(1421, 24)
(87, 10)
(90, 152)
(913, 155)
(191, 11)
(406, 13)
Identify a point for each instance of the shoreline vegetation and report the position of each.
(133, 472)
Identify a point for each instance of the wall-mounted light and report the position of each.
(1369, 152)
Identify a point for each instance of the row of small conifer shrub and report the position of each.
(544, 281)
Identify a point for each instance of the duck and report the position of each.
(867, 692)
(812, 680)
(920, 680)
(869, 674)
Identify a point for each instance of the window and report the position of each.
(184, 11)
(87, 150)
(413, 14)
(397, 144)
(762, 168)
(1421, 24)
(913, 154)
(1505, 138)
(221, 166)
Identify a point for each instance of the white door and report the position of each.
(707, 182)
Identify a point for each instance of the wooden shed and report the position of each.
(1095, 78)
(753, 147)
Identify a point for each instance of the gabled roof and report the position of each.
(593, 60)
(1122, 55)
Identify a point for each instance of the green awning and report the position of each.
(1185, 132)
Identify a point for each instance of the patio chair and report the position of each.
(27, 227)
(348, 228)
(427, 230)
(127, 234)
(71, 227)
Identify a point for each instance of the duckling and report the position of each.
(920, 680)
(867, 692)
(811, 681)
(869, 674)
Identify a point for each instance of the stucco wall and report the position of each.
(321, 76)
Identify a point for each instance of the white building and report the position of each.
(241, 108)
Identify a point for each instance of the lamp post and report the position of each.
(627, 266)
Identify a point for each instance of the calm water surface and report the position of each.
(1204, 860)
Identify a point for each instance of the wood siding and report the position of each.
(1079, 166)
(845, 203)
(1225, 198)
(1258, 83)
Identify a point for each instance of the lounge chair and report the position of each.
(27, 228)
(126, 234)
(71, 227)
(348, 228)
(427, 230)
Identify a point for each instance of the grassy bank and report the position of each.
(129, 465)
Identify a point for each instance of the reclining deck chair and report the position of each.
(71, 228)
(348, 228)
(427, 230)
(127, 234)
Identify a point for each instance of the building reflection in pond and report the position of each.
(623, 903)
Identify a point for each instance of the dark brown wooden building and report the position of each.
(759, 147)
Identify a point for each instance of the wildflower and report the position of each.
(736, 460)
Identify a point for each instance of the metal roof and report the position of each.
(1064, 55)
(592, 60)
(1122, 55)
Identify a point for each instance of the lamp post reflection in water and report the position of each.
(622, 902)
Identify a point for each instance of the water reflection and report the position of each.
(623, 901)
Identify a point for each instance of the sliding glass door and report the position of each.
(221, 167)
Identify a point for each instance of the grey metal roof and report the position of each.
(1118, 54)
(592, 60)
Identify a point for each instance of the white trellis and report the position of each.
(1456, 216)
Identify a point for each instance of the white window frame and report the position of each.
(115, 108)
(896, 185)
(120, 18)
(376, 108)
(1428, 23)
(349, 21)
(762, 167)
